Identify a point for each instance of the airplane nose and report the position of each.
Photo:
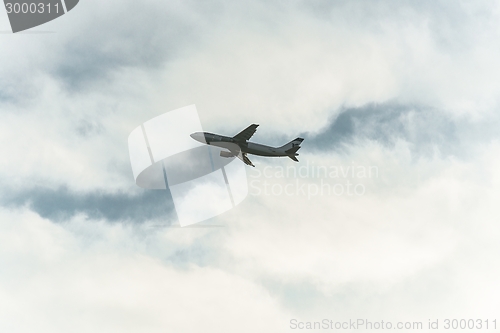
(197, 136)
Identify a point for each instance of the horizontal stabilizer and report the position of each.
(293, 158)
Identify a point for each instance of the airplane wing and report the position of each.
(246, 134)
(237, 153)
(245, 159)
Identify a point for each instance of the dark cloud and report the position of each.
(151, 34)
(87, 128)
(424, 128)
(61, 204)
(7, 94)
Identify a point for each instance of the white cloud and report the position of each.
(380, 240)
(427, 246)
(56, 280)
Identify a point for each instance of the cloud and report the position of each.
(288, 68)
(339, 251)
(423, 128)
(63, 281)
(404, 247)
(62, 204)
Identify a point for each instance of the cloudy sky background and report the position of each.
(411, 88)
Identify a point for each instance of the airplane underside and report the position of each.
(242, 155)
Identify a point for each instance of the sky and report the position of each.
(398, 99)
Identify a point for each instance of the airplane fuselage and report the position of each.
(246, 147)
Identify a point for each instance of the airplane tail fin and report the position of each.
(292, 144)
(292, 147)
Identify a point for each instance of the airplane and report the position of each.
(240, 141)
